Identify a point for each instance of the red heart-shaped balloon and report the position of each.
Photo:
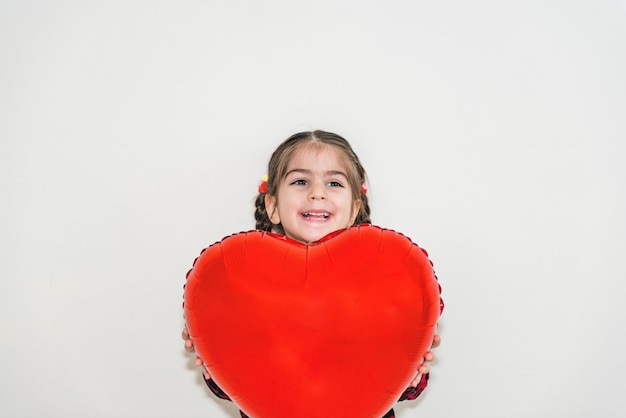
(331, 329)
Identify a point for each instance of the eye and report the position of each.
(299, 182)
(334, 184)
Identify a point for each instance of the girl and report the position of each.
(315, 186)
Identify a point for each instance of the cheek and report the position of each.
(287, 205)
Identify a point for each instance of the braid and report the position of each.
(363, 217)
(260, 214)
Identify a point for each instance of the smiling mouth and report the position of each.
(316, 216)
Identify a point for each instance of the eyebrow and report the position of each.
(327, 173)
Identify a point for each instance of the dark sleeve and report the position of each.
(409, 394)
(413, 392)
(217, 391)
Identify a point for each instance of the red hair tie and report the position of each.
(263, 184)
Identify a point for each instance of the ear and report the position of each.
(272, 209)
(356, 207)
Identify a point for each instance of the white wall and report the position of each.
(133, 134)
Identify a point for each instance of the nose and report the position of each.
(317, 192)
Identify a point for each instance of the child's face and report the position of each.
(315, 198)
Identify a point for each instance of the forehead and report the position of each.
(314, 154)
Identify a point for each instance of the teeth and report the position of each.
(323, 215)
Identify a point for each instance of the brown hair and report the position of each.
(277, 170)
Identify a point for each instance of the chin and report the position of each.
(320, 235)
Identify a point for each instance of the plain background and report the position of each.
(134, 133)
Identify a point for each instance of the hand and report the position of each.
(428, 357)
(190, 349)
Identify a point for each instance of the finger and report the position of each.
(185, 334)
(199, 362)
(205, 373)
(436, 341)
(424, 368)
(429, 356)
(416, 380)
(189, 346)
